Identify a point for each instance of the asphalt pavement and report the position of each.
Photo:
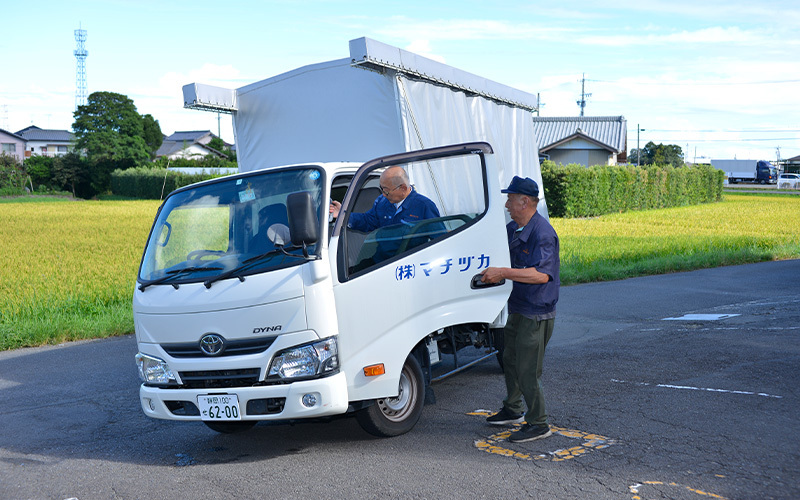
(676, 386)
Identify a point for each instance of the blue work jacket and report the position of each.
(534, 245)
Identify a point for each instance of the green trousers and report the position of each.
(524, 343)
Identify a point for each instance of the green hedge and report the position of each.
(152, 183)
(577, 191)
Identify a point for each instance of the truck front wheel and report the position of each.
(397, 415)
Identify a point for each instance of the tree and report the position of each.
(71, 171)
(219, 145)
(660, 154)
(12, 174)
(111, 133)
(153, 136)
(40, 168)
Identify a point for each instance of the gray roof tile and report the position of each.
(608, 130)
(38, 134)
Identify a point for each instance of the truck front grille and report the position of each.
(220, 378)
(232, 348)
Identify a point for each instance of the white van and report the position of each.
(251, 305)
(789, 181)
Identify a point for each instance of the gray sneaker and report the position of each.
(504, 417)
(530, 432)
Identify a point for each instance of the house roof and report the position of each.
(11, 134)
(190, 136)
(34, 133)
(169, 147)
(609, 132)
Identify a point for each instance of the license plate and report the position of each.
(219, 407)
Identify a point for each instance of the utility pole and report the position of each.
(584, 95)
(638, 150)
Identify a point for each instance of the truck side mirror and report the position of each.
(303, 222)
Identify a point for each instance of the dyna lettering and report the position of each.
(266, 329)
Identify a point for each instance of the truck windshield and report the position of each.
(229, 228)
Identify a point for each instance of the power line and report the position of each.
(723, 131)
(738, 140)
(670, 84)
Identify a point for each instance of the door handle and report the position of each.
(476, 283)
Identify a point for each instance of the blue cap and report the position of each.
(526, 186)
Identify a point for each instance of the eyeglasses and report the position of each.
(387, 191)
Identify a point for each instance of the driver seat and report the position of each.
(267, 216)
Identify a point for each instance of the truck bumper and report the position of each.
(275, 402)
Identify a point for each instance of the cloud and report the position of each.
(465, 29)
(714, 35)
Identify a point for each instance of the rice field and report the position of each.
(743, 228)
(69, 267)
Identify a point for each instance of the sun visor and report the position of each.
(209, 98)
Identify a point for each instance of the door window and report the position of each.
(436, 198)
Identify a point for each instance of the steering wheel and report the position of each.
(199, 254)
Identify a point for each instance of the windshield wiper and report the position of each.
(248, 262)
(175, 273)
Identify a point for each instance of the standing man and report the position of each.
(533, 244)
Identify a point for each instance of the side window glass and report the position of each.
(411, 206)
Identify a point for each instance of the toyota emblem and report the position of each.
(212, 344)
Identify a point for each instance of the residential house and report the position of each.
(12, 144)
(46, 142)
(586, 140)
(791, 165)
(189, 145)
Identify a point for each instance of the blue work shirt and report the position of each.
(414, 209)
(534, 245)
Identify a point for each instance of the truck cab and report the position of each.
(253, 304)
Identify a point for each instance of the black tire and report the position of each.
(397, 415)
(231, 427)
(499, 344)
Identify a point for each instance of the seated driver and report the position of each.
(400, 204)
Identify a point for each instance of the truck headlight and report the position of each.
(310, 360)
(153, 370)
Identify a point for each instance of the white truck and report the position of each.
(252, 304)
(736, 171)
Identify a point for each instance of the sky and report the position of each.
(720, 79)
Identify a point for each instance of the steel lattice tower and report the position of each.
(80, 73)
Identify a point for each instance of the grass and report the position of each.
(70, 267)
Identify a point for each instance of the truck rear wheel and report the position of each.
(231, 427)
(397, 415)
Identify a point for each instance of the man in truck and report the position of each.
(534, 247)
(400, 206)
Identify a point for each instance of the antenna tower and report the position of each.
(584, 95)
(80, 72)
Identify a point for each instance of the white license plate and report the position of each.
(219, 407)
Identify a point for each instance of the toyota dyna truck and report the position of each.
(253, 304)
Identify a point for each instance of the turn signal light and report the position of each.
(374, 370)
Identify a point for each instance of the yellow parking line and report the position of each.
(590, 442)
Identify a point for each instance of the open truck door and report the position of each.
(398, 284)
